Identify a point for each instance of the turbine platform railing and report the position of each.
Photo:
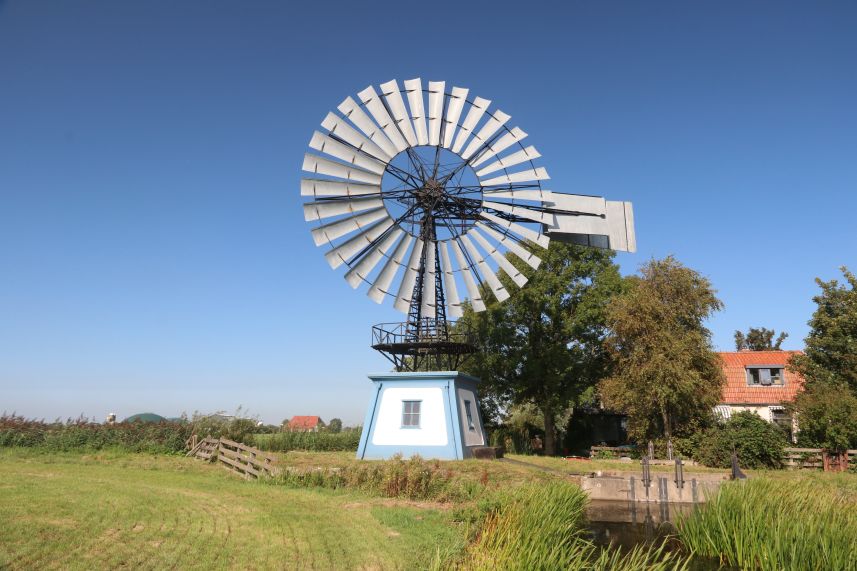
(423, 345)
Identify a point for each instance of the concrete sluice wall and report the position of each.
(661, 489)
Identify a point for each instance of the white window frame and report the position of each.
(411, 414)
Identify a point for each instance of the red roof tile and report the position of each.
(736, 390)
(304, 422)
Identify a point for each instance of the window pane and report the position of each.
(411, 413)
(754, 376)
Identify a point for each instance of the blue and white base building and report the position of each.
(433, 414)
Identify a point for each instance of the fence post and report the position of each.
(737, 474)
(651, 450)
(679, 473)
(647, 477)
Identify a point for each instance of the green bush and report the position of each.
(758, 443)
(310, 441)
(828, 416)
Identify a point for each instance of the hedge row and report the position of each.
(81, 434)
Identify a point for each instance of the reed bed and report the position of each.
(83, 434)
(310, 441)
(766, 524)
(542, 527)
(414, 479)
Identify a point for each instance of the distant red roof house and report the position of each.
(305, 423)
(759, 381)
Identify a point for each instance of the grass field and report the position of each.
(73, 511)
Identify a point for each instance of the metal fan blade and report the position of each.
(485, 133)
(620, 217)
(429, 302)
(521, 211)
(347, 153)
(521, 156)
(336, 207)
(329, 232)
(472, 290)
(539, 173)
(435, 110)
(336, 125)
(414, 87)
(457, 99)
(515, 135)
(322, 187)
(517, 277)
(477, 109)
(356, 115)
(493, 282)
(360, 271)
(531, 259)
(406, 288)
(348, 249)
(391, 93)
(533, 194)
(376, 108)
(320, 165)
(521, 231)
(452, 299)
(381, 286)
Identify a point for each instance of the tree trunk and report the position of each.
(550, 431)
(668, 432)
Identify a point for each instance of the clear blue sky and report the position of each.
(153, 253)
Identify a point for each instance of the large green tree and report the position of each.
(666, 376)
(827, 410)
(831, 346)
(759, 339)
(544, 345)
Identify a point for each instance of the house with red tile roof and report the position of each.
(759, 381)
(305, 424)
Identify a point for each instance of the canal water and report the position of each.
(623, 525)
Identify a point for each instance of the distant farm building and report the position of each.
(760, 382)
(305, 424)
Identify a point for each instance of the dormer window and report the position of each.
(765, 376)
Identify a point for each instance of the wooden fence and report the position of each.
(793, 458)
(244, 460)
(811, 458)
(608, 451)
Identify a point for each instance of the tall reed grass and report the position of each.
(770, 524)
(414, 478)
(542, 527)
(81, 434)
(310, 441)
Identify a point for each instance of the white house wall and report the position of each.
(388, 428)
